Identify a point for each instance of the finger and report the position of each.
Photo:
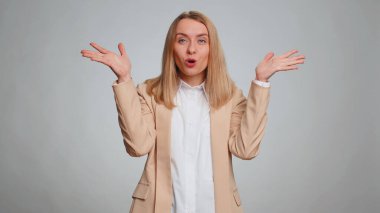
(121, 49)
(289, 68)
(287, 54)
(86, 54)
(300, 61)
(100, 59)
(292, 62)
(86, 51)
(93, 56)
(299, 57)
(90, 54)
(268, 56)
(99, 48)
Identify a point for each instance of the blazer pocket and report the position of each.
(237, 197)
(141, 191)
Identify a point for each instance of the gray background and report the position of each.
(61, 148)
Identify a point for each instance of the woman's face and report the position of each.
(191, 50)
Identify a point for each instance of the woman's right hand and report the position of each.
(119, 64)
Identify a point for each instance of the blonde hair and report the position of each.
(218, 84)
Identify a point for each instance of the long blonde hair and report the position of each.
(218, 84)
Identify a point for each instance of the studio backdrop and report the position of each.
(61, 148)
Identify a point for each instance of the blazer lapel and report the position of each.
(219, 128)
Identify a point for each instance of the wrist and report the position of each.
(260, 76)
(261, 79)
(124, 79)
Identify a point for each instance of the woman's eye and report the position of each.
(181, 40)
(202, 41)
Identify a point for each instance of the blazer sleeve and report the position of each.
(135, 117)
(248, 121)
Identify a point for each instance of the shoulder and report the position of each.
(143, 91)
(145, 97)
(237, 97)
(141, 88)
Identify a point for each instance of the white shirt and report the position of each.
(191, 159)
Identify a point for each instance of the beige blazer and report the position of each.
(236, 128)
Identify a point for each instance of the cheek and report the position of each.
(176, 56)
(205, 54)
(175, 52)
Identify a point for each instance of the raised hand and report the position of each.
(119, 64)
(272, 64)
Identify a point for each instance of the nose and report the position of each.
(191, 49)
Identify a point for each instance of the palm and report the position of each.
(119, 64)
(272, 64)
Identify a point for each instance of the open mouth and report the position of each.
(190, 62)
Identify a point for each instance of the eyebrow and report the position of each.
(202, 34)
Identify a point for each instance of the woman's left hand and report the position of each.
(272, 64)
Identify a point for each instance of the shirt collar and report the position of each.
(184, 85)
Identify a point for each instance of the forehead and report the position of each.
(191, 27)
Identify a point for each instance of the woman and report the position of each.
(190, 119)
